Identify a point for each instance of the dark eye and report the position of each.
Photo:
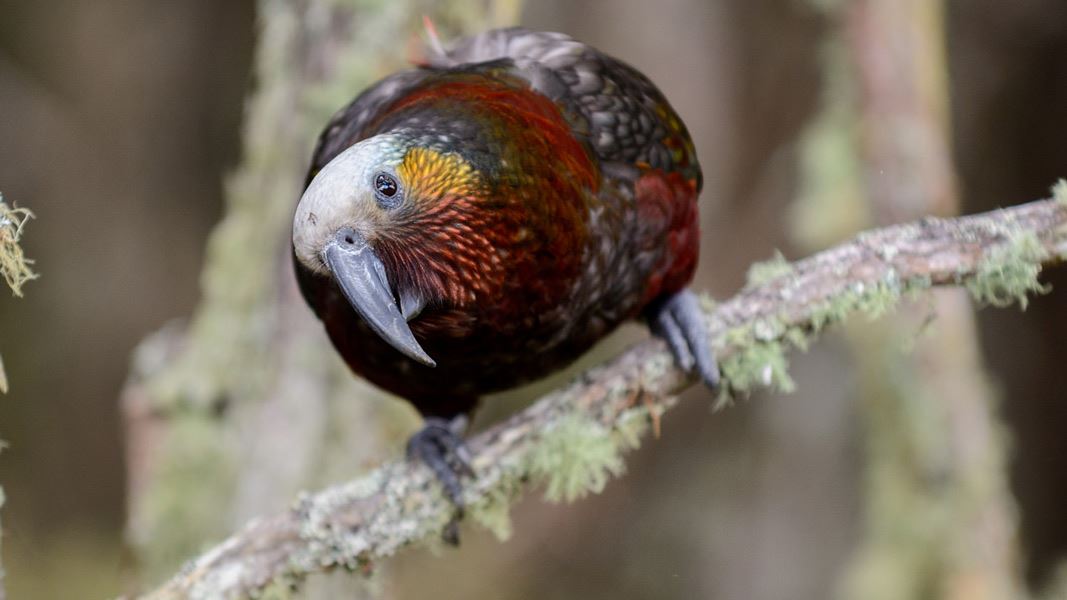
(387, 190)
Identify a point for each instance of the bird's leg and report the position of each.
(440, 446)
(679, 321)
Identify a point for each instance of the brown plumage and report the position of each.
(497, 212)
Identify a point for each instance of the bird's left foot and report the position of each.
(679, 321)
(439, 445)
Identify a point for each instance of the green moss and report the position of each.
(574, 458)
(1059, 191)
(1008, 273)
(760, 360)
(762, 272)
(873, 300)
(493, 511)
(632, 425)
(758, 364)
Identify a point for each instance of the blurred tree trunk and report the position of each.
(1009, 77)
(231, 416)
(939, 522)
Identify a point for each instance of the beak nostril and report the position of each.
(349, 240)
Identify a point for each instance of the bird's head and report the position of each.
(389, 220)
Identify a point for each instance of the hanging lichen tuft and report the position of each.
(13, 263)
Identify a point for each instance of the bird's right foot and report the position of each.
(439, 445)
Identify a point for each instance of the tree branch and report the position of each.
(997, 255)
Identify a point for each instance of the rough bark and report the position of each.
(354, 525)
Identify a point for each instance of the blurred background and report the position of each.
(121, 128)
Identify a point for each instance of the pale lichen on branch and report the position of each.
(570, 441)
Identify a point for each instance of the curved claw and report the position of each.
(679, 321)
(439, 446)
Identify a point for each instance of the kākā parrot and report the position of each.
(482, 220)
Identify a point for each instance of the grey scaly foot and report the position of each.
(679, 321)
(439, 445)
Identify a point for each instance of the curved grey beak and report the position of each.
(361, 276)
